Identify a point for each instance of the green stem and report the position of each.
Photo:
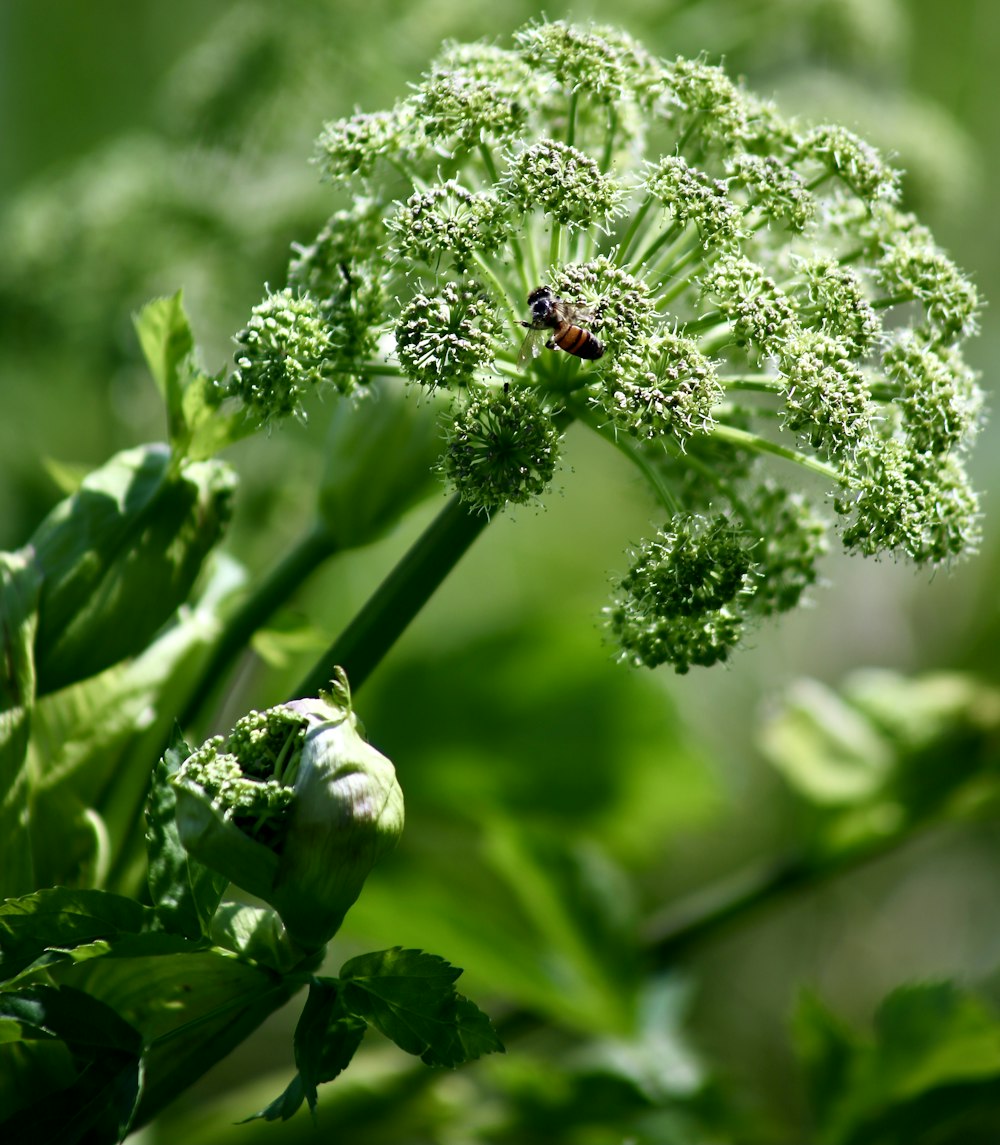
(633, 229)
(725, 487)
(503, 294)
(705, 322)
(668, 294)
(893, 300)
(709, 912)
(398, 599)
(375, 370)
(747, 440)
(571, 119)
(674, 231)
(554, 244)
(304, 558)
(487, 157)
(199, 1052)
(672, 269)
(625, 446)
(609, 142)
(754, 385)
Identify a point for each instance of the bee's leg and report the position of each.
(550, 344)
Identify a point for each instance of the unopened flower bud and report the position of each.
(294, 807)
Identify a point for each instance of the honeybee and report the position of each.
(561, 321)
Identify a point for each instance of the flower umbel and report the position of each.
(765, 315)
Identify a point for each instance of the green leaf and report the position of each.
(326, 1038)
(61, 918)
(96, 744)
(196, 425)
(410, 997)
(120, 555)
(212, 428)
(474, 1035)
(185, 892)
(284, 1106)
(168, 347)
(934, 1034)
(20, 584)
(826, 1047)
(102, 1089)
(934, 1064)
(825, 748)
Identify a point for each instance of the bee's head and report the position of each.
(541, 302)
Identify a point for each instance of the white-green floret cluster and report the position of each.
(771, 319)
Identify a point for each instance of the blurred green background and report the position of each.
(149, 147)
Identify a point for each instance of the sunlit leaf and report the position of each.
(63, 918)
(410, 997)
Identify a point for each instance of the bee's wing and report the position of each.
(531, 347)
(577, 313)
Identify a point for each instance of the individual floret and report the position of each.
(448, 219)
(475, 93)
(757, 309)
(827, 399)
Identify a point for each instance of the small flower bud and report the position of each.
(834, 303)
(915, 504)
(856, 163)
(600, 60)
(827, 399)
(673, 395)
(476, 92)
(937, 391)
(343, 271)
(758, 310)
(912, 265)
(705, 101)
(778, 191)
(352, 146)
(294, 807)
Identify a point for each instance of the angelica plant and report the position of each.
(766, 330)
(777, 331)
